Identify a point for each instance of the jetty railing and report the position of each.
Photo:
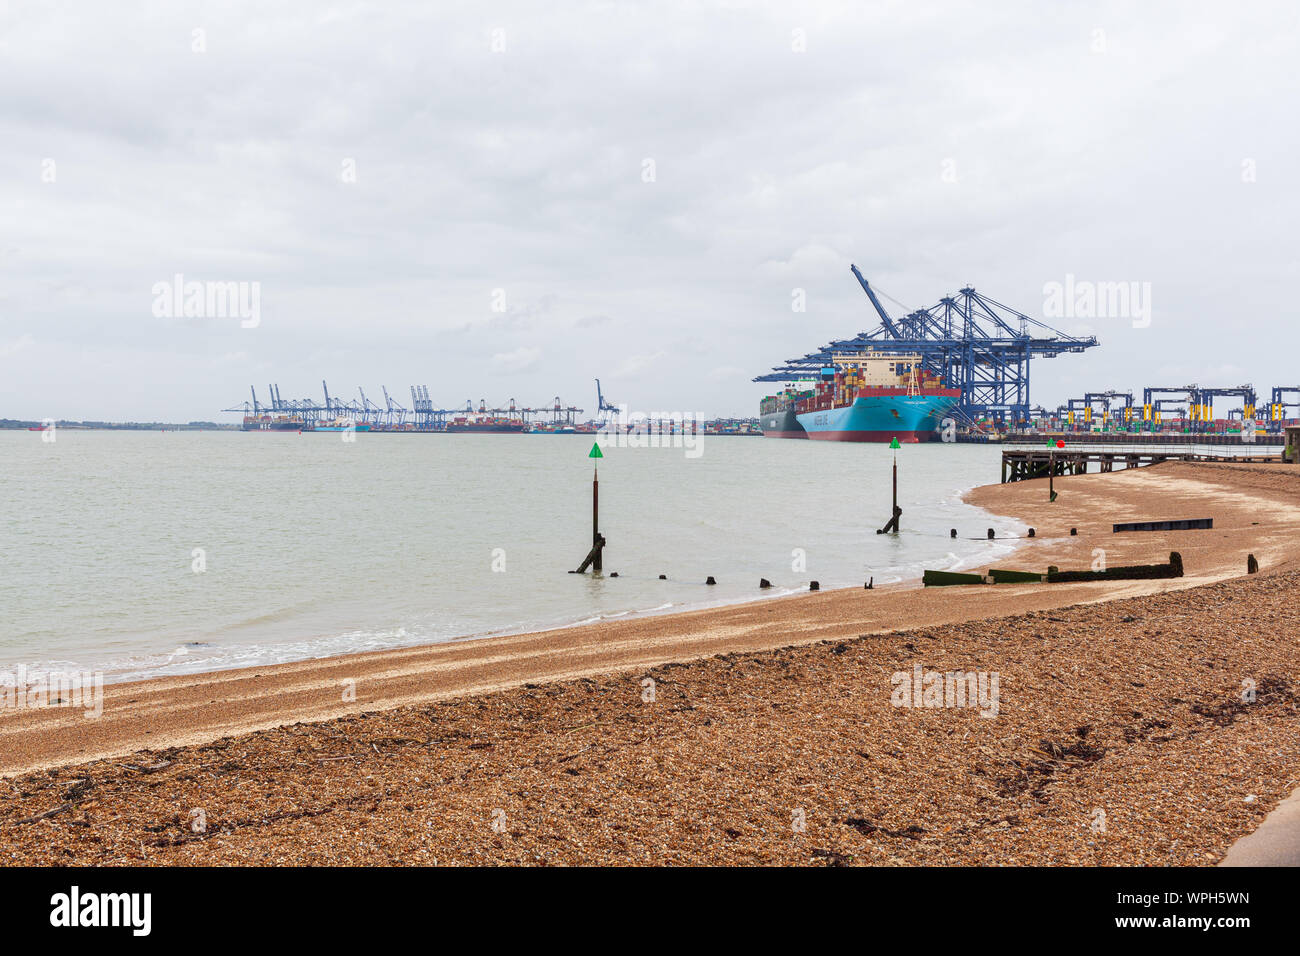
(1035, 461)
(1148, 438)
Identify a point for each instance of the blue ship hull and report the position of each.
(880, 418)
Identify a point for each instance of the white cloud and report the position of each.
(517, 360)
(730, 373)
(17, 345)
(814, 261)
(633, 365)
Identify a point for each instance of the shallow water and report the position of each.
(146, 553)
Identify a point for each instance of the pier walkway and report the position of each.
(1021, 464)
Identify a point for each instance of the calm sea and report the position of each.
(146, 553)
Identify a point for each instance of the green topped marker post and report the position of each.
(593, 558)
(892, 524)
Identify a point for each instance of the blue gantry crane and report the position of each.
(1121, 414)
(391, 415)
(1203, 419)
(396, 413)
(1278, 405)
(971, 342)
(1153, 406)
(603, 406)
(1111, 407)
(1199, 403)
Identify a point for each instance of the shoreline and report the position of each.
(1116, 695)
(135, 672)
(208, 704)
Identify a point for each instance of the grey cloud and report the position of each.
(522, 170)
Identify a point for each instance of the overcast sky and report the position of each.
(458, 195)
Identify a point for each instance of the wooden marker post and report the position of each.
(593, 559)
(892, 524)
(596, 542)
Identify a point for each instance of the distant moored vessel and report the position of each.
(342, 425)
(489, 425)
(273, 423)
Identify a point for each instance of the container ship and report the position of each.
(488, 424)
(863, 397)
(273, 423)
(342, 425)
(778, 415)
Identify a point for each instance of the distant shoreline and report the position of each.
(11, 424)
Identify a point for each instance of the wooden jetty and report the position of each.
(1144, 438)
(1022, 464)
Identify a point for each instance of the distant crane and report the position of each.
(396, 413)
(603, 406)
(566, 415)
(1278, 405)
(1123, 414)
(1085, 419)
(1153, 405)
(1203, 419)
(421, 416)
(369, 410)
(426, 416)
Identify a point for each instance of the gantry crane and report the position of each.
(969, 341)
(603, 406)
(1278, 405)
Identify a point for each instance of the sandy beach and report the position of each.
(756, 733)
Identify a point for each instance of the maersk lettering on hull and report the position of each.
(880, 418)
(906, 438)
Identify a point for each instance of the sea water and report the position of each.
(145, 553)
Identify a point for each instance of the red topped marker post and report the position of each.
(1051, 467)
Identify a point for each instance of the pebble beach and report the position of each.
(1137, 723)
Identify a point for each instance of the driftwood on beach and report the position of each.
(1172, 569)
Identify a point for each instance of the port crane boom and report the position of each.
(886, 321)
(969, 341)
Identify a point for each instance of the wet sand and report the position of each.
(762, 711)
